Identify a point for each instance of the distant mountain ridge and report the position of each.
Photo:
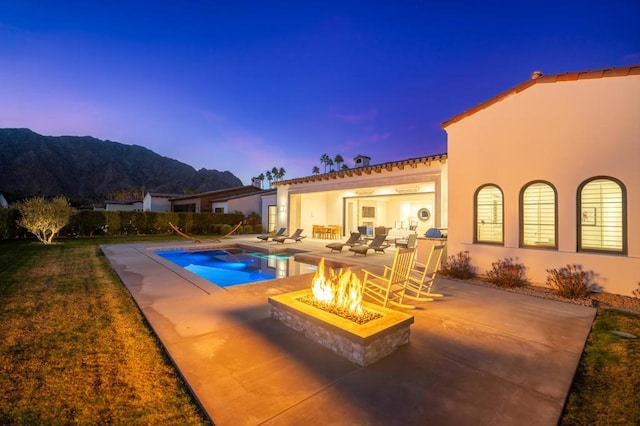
(84, 167)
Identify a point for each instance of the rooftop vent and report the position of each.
(536, 74)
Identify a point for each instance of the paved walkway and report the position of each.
(478, 356)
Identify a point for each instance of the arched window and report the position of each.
(602, 220)
(538, 218)
(488, 206)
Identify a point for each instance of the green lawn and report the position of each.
(75, 349)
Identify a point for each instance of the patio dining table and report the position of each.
(328, 232)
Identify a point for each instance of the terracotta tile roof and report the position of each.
(538, 78)
(367, 170)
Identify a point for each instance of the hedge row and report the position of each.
(90, 223)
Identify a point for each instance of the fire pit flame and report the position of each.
(342, 289)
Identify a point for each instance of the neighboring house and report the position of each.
(398, 195)
(252, 202)
(3, 202)
(548, 173)
(124, 206)
(156, 202)
(203, 202)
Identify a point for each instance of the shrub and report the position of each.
(507, 273)
(257, 228)
(225, 229)
(253, 218)
(247, 229)
(570, 281)
(636, 292)
(459, 266)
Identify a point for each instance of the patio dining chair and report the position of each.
(389, 287)
(409, 242)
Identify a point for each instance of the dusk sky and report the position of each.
(245, 86)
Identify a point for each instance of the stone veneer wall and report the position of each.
(358, 350)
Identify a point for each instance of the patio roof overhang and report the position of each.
(366, 170)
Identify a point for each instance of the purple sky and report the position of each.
(245, 86)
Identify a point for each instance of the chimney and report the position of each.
(361, 161)
(536, 74)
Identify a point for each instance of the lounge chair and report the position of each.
(409, 242)
(353, 240)
(265, 237)
(422, 276)
(377, 244)
(389, 287)
(297, 237)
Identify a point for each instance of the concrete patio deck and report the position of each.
(478, 356)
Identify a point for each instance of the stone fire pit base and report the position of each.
(361, 344)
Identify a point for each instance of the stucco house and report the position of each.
(158, 202)
(548, 173)
(204, 201)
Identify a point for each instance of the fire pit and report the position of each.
(333, 314)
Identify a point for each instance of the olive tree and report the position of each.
(44, 218)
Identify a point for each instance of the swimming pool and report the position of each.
(233, 266)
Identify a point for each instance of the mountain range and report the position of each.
(85, 168)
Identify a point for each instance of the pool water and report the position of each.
(234, 266)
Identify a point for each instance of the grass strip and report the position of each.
(606, 387)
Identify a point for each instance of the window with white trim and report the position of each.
(538, 208)
(488, 203)
(602, 215)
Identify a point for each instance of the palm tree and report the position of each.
(315, 170)
(330, 164)
(339, 160)
(325, 160)
(261, 179)
(274, 173)
(281, 172)
(269, 177)
(344, 167)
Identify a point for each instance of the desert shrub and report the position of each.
(459, 266)
(257, 228)
(225, 229)
(217, 228)
(570, 281)
(507, 273)
(636, 292)
(247, 229)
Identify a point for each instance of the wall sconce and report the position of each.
(283, 208)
